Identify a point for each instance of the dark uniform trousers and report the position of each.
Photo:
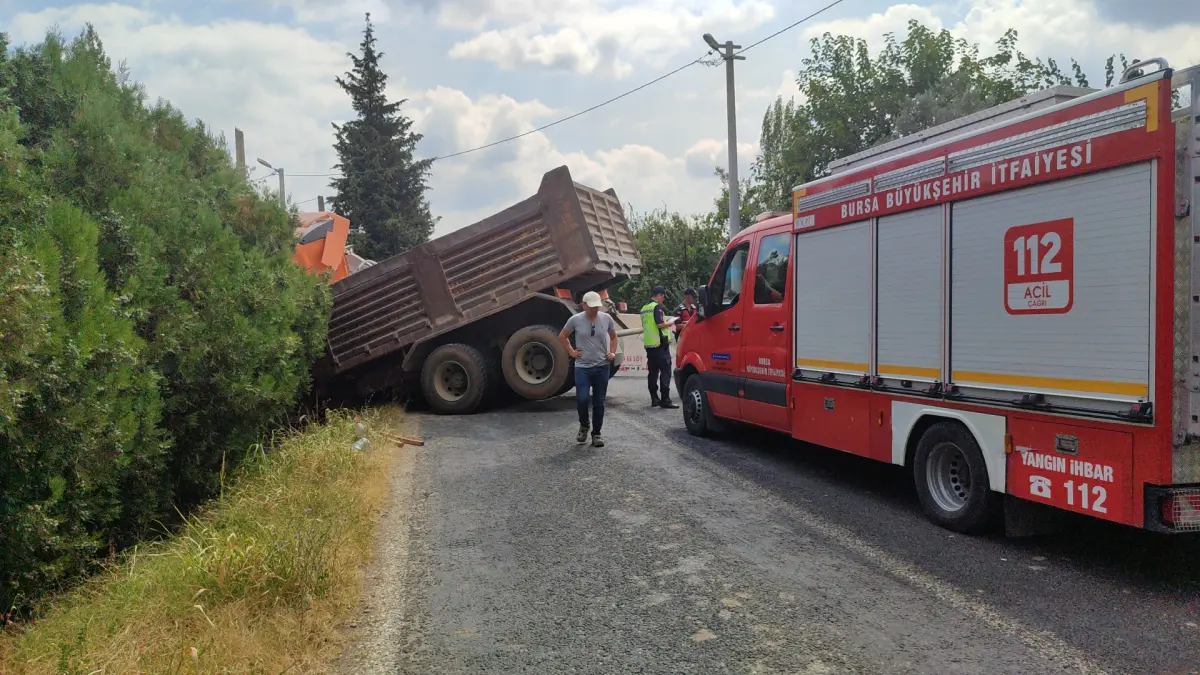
(658, 365)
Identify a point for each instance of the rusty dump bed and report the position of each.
(567, 235)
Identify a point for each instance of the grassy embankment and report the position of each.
(255, 583)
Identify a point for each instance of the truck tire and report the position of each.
(499, 393)
(456, 379)
(570, 383)
(697, 415)
(952, 479)
(535, 364)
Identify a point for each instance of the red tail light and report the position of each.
(1182, 510)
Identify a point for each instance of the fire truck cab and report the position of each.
(1005, 305)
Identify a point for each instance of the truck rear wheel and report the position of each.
(952, 479)
(569, 384)
(455, 379)
(535, 363)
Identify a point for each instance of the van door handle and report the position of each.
(735, 328)
(777, 327)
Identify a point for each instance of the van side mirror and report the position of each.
(702, 306)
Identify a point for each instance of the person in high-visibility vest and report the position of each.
(656, 335)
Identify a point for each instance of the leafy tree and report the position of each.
(753, 201)
(850, 100)
(676, 252)
(154, 325)
(382, 187)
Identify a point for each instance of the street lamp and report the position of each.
(735, 199)
(282, 194)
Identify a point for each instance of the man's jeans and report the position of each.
(591, 384)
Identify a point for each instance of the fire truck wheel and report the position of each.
(455, 379)
(535, 364)
(952, 479)
(697, 416)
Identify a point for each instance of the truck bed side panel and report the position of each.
(567, 232)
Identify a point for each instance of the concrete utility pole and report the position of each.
(282, 192)
(735, 198)
(239, 145)
(320, 203)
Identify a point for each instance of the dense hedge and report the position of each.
(152, 324)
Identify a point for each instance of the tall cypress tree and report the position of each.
(382, 186)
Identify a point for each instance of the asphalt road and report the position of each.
(662, 553)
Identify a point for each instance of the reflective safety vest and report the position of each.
(652, 335)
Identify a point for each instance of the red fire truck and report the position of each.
(1005, 305)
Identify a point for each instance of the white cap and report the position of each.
(592, 299)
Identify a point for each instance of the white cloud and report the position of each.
(477, 14)
(1075, 28)
(873, 27)
(785, 89)
(276, 82)
(589, 38)
(473, 186)
(1060, 29)
(326, 11)
(272, 81)
(707, 154)
(565, 49)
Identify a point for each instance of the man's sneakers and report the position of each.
(582, 437)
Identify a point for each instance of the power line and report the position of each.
(581, 112)
(614, 99)
(785, 29)
(543, 127)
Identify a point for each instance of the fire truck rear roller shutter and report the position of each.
(1097, 351)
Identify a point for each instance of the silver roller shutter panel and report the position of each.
(1100, 349)
(833, 299)
(909, 295)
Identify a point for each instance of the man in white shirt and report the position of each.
(595, 347)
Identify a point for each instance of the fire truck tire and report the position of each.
(455, 379)
(697, 415)
(952, 479)
(535, 364)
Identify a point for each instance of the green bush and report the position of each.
(152, 324)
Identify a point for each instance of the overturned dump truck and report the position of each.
(473, 317)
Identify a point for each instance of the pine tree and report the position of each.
(382, 186)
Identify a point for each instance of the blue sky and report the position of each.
(475, 71)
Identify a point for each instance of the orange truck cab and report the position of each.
(322, 244)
